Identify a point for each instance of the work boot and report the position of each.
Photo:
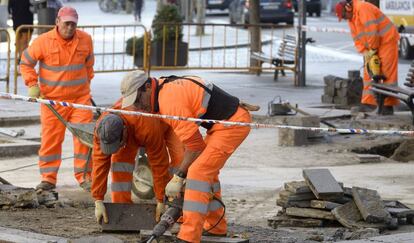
(387, 111)
(86, 186)
(45, 186)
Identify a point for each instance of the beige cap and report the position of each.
(129, 86)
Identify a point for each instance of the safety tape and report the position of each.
(339, 30)
(198, 120)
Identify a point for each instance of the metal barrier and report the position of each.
(110, 47)
(5, 69)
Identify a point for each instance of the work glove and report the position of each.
(100, 212)
(159, 210)
(34, 91)
(173, 188)
(369, 54)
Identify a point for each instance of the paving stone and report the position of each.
(354, 74)
(324, 204)
(329, 91)
(297, 187)
(323, 184)
(400, 212)
(290, 137)
(18, 197)
(287, 204)
(368, 158)
(349, 216)
(129, 217)
(285, 221)
(309, 213)
(370, 205)
(327, 99)
(289, 196)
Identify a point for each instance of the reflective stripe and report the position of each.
(216, 187)
(81, 170)
(81, 156)
(394, 84)
(61, 68)
(359, 36)
(50, 158)
(62, 83)
(29, 58)
(214, 205)
(375, 21)
(374, 33)
(122, 167)
(200, 186)
(121, 186)
(367, 92)
(193, 206)
(48, 170)
(25, 63)
(386, 29)
(89, 57)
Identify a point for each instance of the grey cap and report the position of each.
(110, 130)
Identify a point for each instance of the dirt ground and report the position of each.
(250, 181)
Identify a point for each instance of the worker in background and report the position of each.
(65, 57)
(116, 142)
(376, 37)
(138, 4)
(21, 13)
(203, 158)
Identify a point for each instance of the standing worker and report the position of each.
(137, 9)
(65, 56)
(376, 37)
(121, 136)
(203, 158)
(21, 13)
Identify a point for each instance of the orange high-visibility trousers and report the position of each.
(388, 54)
(200, 211)
(53, 134)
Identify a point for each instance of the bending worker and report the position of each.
(65, 56)
(121, 136)
(203, 158)
(376, 37)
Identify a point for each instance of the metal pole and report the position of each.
(301, 57)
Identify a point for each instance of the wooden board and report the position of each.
(324, 204)
(310, 213)
(285, 221)
(322, 184)
(349, 216)
(370, 205)
(129, 217)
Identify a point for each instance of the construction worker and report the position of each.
(65, 56)
(203, 158)
(121, 136)
(376, 37)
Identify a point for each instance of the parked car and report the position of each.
(312, 7)
(218, 4)
(271, 11)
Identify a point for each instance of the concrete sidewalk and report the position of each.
(395, 238)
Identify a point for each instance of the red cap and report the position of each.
(67, 14)
(339, 9)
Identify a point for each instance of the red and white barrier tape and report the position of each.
(339, 30)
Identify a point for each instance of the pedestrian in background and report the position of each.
(65, 56)
(138, 8)
(21, 15)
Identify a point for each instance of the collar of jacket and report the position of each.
(54, 34)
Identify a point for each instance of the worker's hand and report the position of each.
(34, 91)
(174, 187)
(100, 212)
(369, 54)
(159, 210)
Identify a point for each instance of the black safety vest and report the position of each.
(221, 105)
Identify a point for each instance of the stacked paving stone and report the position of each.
(343, 92)
(320, 200)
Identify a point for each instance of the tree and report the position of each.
(201, 16)
(255, 36)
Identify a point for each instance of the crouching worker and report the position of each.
(116, 142)
(203, 158)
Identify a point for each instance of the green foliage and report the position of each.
(167, 23)
(139, 45)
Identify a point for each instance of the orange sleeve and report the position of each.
(90, 60)
(195, 142)
(357, 37)
(100, 170)
(370, 26)
(28, 61)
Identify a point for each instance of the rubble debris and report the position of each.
(370, 205)
(344, 92)
(18, 197)
(349, 216)
(297, 187)
(369, 158)
(322, 183)
(310, 213)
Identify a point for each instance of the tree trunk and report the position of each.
(201, 16)
(255, 36)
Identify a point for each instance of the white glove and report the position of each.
(159, 210)
(100, 212)
(173, 188)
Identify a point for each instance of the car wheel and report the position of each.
(406, 50)
(142, 180)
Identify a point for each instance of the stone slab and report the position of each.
(309, 213)
(322, 184)
(370, 205)
(285, 221)
(368, 158)
(290, 137)
(129, 217)
(318, 204)
(289, 196)
(393, 238)
(297, 187)
(15, 235)
(349, 216)
(287, 204)
(400, 212)
(168, 237)
(12, 147)
(19, 197)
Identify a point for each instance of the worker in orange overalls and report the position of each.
(121, 136)
(373, 34)
(203, 158)
(65, 57)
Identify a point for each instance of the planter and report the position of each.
(169, 59)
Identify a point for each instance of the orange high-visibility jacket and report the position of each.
(65, 66)
(142, 132)
(370, 28)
